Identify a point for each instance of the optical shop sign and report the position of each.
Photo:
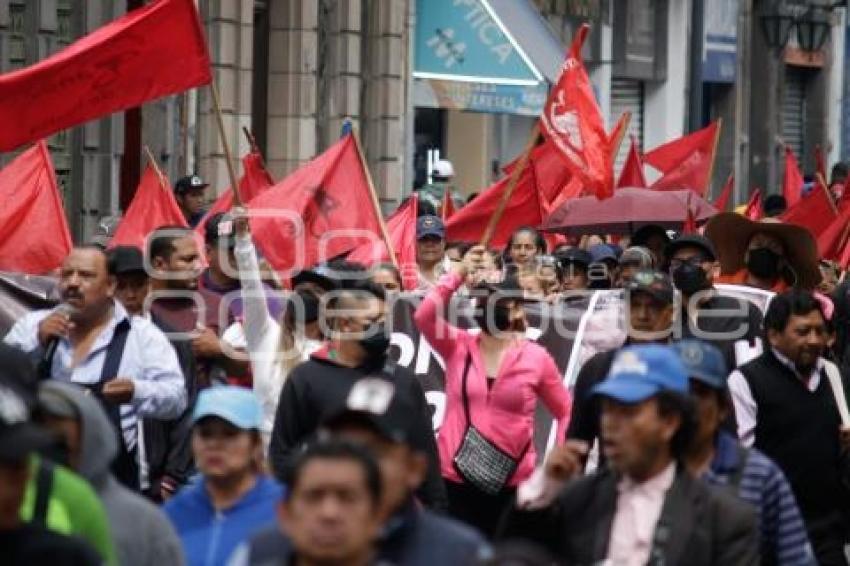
(464, 40)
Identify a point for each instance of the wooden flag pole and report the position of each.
(231, 172)
(156, 168)
(713, 155)
(512, 183)
(615, 147)
(252, 141)
(375, 204)
(822, 182)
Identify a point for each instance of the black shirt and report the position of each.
(319, 388)
(742, 322)
(29, 545)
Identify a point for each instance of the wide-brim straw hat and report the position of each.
(731, 234)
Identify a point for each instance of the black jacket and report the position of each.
(698, 526)
(168, 449)
(319, 387)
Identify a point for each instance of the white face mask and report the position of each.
(310, 345)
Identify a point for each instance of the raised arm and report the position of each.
(256, 311)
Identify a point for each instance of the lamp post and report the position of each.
(776, 23)
(813, 28)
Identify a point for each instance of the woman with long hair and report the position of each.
(494, 379)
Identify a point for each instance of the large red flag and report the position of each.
(401, 228)
(632, 173)
(573, 122)
(833, 235)
(725, 195)
(34, 235)
(814, 212)
(322, 210)
(792, 184)
(685, 162)
(151, 52)
(255, 179)
(753, 210)
(153, 206)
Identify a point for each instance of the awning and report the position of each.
(484, 55)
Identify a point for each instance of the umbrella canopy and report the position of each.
(628, 210)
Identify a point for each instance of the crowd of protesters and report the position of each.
(170, 413)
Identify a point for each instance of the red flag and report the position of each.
(255, 179)
(448, 208)
(686, 162)
(153, 206)
(401, 228)
(792, 185)
(573, 122)
(753, 210)
(832, 235)
(632, 173)
(725, 195)
(322, 210)
(149, 53)
(34, 235)
(820, 163)
(814, 212)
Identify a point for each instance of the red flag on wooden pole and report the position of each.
(156, 50)
(686, 162)
(753, 210)
(726, 194)
(632, 173)
(34, 235)
(792, 184)
(153, 206)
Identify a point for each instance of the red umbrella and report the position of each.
(628, 210)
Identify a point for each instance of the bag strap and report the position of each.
(834, 376)
(114, 353)
(463, 388)
(43, 487)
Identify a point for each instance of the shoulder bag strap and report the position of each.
(834, 376)
(463, 389)
(43, 487)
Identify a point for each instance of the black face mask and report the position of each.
(689, 279)
(376, 342)
(310, 303)
(763, 263)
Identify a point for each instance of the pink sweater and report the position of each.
(504, 414)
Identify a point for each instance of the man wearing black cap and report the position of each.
(707, 315)
(649, 315)
(189, 193)
(430, 250)
(24, 543)
(375, 415)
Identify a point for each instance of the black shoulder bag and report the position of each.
(478, 460)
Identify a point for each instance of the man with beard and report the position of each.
(785, 406)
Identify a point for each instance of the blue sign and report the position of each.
(464, 40)
(719, 62)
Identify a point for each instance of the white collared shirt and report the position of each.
(638, 510)
(745, 405)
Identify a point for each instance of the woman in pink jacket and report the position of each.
(493, 381)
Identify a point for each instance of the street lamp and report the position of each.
(776, 23)
(813, 29)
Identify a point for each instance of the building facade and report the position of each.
(464, 77)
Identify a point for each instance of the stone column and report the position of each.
(229, 26)
(292, 91)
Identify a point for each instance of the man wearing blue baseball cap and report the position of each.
(234, 498)
(644, 508)
(430, 250)
(717, 457)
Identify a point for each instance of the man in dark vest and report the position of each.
(785, 406)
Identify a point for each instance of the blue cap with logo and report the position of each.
(703, 362)
(640, 372)
(236, 405)
(430, 225)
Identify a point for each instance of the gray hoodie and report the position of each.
(142, 534)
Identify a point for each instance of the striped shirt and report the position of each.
(761, 483)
